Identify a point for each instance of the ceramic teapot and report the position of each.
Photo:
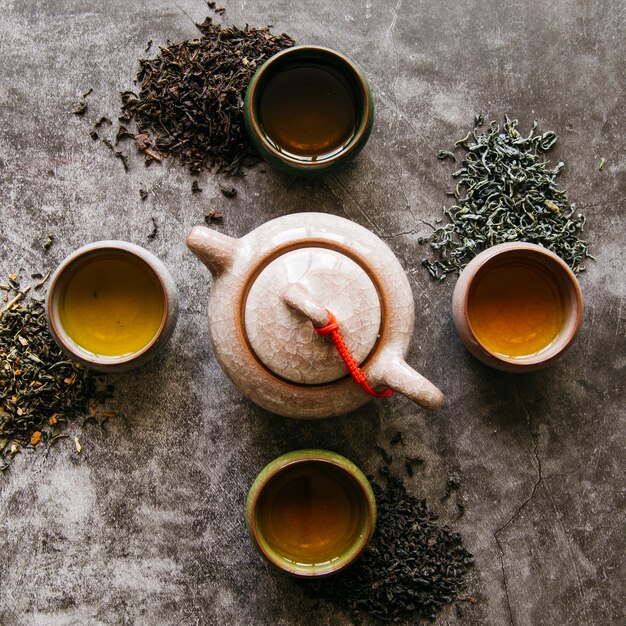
(272, 287)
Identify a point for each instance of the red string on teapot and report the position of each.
(332, 329)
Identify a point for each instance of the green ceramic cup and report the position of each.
(311, 513)
(266, 140)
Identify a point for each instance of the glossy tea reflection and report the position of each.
(311, 513)
(515, 308)
(308, 110)
(111, 304)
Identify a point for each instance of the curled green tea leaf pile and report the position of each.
(410, 569)
(506, 191)
(191, 96)
(40, 388)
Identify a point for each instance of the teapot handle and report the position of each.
(398, 375)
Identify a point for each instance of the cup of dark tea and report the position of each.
(308, 110)
(112, 305)
(517, 307)
(311, 512)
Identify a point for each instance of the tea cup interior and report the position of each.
(312, 516)
(523, 306)
(107, 305)
(308, 106)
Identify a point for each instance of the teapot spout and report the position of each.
(215, 250)
(400, 376)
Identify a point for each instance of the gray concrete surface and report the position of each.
(146, 525)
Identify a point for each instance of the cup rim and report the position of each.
(56, 286)
(550, 261)
(353, 145)
(291, 459)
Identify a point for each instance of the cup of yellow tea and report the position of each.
(112, 305)
(311, 512)
(517, 306)
(308, 110)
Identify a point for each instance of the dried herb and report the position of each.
(49, 241)
(410, 569)
(386, 457)
(506, 191)
(155, 230)
(191, 95)
(397, 438)
(81, 109)
(228, 192)
(410, 464)
(123, 133)
(103, 120)
(452, 484)
(40, 388)
(123, 158)
(195, 188)
(602, 162)
(213, 214)
(446, 154)
(143, 194)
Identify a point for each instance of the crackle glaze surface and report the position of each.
(235, 265)
(285, 340)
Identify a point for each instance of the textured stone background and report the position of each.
(146, 525)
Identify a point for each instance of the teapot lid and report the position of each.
(283, 338)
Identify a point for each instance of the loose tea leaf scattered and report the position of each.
(228, 192)
(81, 109)
(452, 484)
(103, 120)
(506, 191)
(49, 241)
(191, 95)
(397, 438)
(410, 569)
(155, 230)
(412, 462)
(213, 214)
(123, 158)
(40, 388)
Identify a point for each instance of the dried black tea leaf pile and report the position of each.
(505, 191)
(410, 569)
(191, 96)
(40, 388)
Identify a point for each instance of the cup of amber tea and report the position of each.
(308, 110)
(112, 305)
(311, 512)
(517, 306)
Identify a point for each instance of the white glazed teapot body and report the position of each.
(272, 285)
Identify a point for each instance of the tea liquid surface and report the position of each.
(515, 309)
(111, 305)
(308, 111)
(310, 513)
